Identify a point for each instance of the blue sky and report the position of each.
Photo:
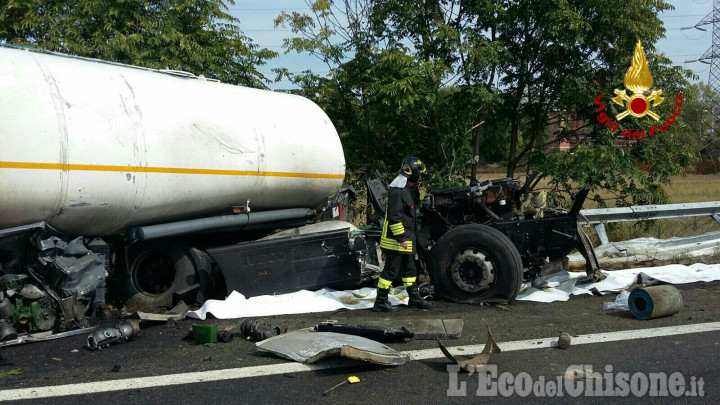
(256, 20)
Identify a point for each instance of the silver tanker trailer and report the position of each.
(146, 174)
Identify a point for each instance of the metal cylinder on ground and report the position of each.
(7, 331)
(258, 329)
(655, 301)
(104, 337)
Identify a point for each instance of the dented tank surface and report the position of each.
(93, 148)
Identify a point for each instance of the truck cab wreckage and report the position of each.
(168, 186)
(480, 242)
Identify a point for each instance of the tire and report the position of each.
(474, 264)
(153, 272)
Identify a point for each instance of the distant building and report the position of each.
(559, 123)
(582, 129)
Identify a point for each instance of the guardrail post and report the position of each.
(600, 230)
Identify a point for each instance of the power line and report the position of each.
(675, 29)
(712, 55)
(693, 39)
(682, 16)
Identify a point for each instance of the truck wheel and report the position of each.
(476, 263)
(154, 271)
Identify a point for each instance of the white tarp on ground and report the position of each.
(556, 287)
(301, 302)
(559, 286)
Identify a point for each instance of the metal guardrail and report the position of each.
(598, 217)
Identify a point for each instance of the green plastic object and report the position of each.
(205, 334)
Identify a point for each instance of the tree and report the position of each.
(699, 130)
(387, 100)
(445, 75)
(197, 36)
(560, 56)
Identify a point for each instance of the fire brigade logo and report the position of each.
(639, 81)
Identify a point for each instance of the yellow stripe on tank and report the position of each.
(169, 170)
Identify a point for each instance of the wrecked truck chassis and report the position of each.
(468, 260)
(477, 247)
(69, 272)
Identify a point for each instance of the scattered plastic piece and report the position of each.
(204, 334)
(176, 313)
(621, 302)
(351, 380)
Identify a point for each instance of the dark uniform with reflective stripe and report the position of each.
(399, 226)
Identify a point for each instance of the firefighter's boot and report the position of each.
(416, 301)
(382, 304)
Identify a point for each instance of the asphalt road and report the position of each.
(161, 350)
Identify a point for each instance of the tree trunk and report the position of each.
(476, 154)
(514, 134)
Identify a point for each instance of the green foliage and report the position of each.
(696, 124)
(426, 77)
(390, 94)
(197, 36)
(633, 172)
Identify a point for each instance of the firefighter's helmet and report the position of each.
(412, 168)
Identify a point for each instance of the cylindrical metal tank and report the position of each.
(92, 147)
(655, 301)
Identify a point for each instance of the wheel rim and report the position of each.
(154, 273)
(472, 271)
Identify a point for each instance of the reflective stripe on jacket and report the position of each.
(399, 224)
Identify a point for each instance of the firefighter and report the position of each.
(398, 241)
